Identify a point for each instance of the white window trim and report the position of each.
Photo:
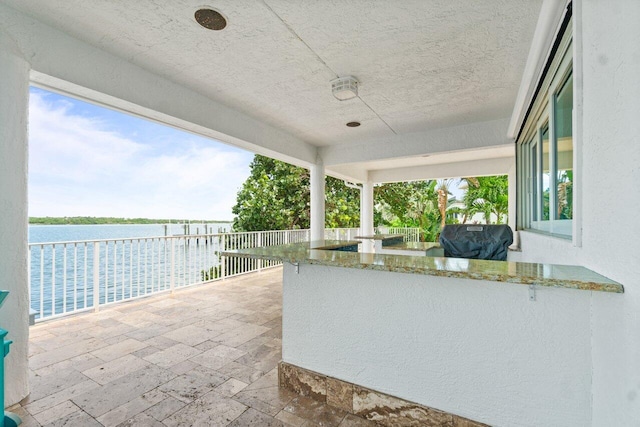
(542, 112)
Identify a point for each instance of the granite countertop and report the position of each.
(330, 244)
(413, 246)
(381, 236)
(523, 273)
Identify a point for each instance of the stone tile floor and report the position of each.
(205, 356)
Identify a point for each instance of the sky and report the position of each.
(86, 160)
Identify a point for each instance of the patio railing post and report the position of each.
(223, 246)
(172, 270)
(259, 244)
(96, 276)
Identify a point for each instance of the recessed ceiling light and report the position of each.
(210, 19)
(353, 124)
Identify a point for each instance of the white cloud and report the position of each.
(80, 167)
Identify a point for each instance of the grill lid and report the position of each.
(476, 241)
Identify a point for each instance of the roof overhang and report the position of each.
(437, 89)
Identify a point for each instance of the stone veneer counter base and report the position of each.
(385, 410)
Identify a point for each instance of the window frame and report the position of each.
(529, 148)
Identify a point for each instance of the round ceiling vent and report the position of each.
(353, 124)
(210, 19)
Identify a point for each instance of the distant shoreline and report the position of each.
(92, 220)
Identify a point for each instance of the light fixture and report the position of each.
(210, 19)
(353, 124)
(344, 88)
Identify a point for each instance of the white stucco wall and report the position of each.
(611, 154)
(14, 315)
(607, 63)
(474, 348)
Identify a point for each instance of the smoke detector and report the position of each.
(344, 88)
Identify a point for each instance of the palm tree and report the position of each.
(443, 199)
(488, 195)
(565, 195)
(468, 184)
(422, 209)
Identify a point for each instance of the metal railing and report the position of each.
(71, 277)
(412, 234)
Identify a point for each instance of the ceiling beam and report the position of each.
(485, 167)
(470, 136)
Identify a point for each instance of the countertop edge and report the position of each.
(380, 237)
(523, 280)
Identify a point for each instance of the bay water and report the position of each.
(66, 233)
(135, 261)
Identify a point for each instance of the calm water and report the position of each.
(62, 275)
(65, 233)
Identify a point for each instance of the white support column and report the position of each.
(366, 214)
(14, 314)
(317, 201)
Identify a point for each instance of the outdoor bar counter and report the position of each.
(328, 253)
(428, 340)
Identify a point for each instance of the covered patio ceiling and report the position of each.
(436, 77)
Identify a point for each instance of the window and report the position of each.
(563, 108)
(545, 151)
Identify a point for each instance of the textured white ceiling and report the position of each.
(423, 64)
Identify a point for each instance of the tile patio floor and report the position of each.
(206, 356)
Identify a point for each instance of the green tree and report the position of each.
(565, 195)
(342, 204)
(272, 198)
(409, 204)
(487, 195)
(394, 200)
(276, 196)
